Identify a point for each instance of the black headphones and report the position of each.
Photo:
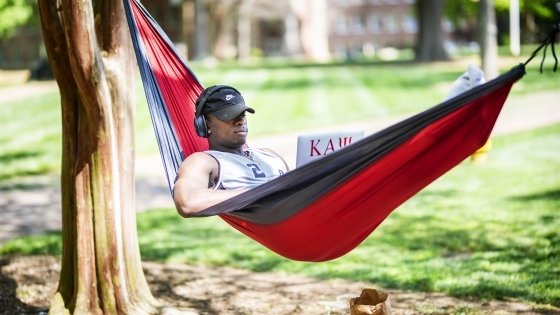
(199, 121)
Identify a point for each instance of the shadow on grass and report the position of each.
(342, 63)
(12, 156)
(375, 81)
(551, 195)
(7, 184)
(12, 164)
(8, 295)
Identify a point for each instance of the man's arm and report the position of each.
(191, 192)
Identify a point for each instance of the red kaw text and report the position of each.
(319, 148)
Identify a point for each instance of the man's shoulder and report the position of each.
(198, 159)
(198, 156)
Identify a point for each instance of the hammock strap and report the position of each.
(549, 40)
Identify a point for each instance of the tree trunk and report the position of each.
(430, 32)
(314, 32)
(244, 31)
(188, 29)
(292, 41)
(200, 30)
(223, 26)
(487, 38)
(90, 52)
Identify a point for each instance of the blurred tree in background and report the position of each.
(14, 13)
(430, 32)
(536, 16)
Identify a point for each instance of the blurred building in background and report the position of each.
(314, 30)
(228, 29)
(360, 28)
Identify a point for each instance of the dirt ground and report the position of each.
(27, 284)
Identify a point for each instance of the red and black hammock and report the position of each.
(326, 208)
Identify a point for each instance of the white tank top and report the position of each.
(239, 172)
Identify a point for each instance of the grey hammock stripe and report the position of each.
(168, 143)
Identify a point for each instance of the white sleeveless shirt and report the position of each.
(239, 172)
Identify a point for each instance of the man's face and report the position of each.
(230, 134)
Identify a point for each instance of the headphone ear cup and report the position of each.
(200, 126)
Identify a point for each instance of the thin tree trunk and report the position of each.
(430, 33)
(224, 40)
(244, 31)
(487, 38)
(200, 30)
(188, 28)
(89, 50)
(313, 18)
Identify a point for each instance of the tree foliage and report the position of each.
(14, 13)
(544, 9)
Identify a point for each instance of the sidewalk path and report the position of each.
(33, 206)
(35, 88)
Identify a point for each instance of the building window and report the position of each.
(374, 24)
(390, 21)
(410, 24)
(341, 3)
(357, 2)
(392, 1)
(341, 27)
(340, 51)
(357, 24)
(409, 1)
(355, 50)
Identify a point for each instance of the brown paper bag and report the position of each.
(370, 302)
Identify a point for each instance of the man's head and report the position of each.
(222, 108)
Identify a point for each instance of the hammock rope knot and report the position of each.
(550, 40)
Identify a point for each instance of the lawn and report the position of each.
(290, 96)
(487, 230)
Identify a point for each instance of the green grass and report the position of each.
(30, 137)
(292, 96)
(486, 230)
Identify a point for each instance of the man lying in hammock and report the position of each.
(229, 168)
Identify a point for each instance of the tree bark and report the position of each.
(90, 51)
(188, 29)
(244, 31)
(314, 31)
(200, 30)
(222, 20)
(487, 38)
(430, 32)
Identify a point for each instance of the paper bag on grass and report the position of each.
(370, 302)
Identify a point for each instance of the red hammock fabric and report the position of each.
(326, 208)
(357, 206)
